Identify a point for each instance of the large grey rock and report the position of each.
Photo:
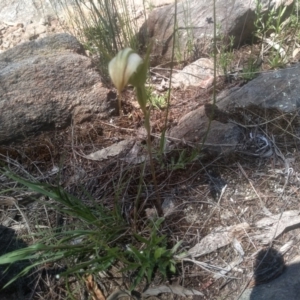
(278, 89)
(271, 96)
(193, 127)
(194, 26)
(46, 83)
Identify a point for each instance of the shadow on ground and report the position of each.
(21, 287)
(273, 280)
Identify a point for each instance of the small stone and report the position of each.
(33, 31)
(6, 44)
(11, 29)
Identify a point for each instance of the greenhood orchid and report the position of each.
(122, 67)
(129, 67)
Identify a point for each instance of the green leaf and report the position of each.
(136, 253)
(156, 240)
(175, 248)
(162, 269)
(158, 252)
(138, 278)
(158, 222)
(140, 76)
(141, 239)
(181, 255)
(149, 274)
(172, 268)
(131, 266)
(29, 252)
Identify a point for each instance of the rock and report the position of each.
(43, 82)
(269, 93)
(27, 11)
(235, 18)
(13, 35)
(271, 96)
(278, 89)
(34, 30)
(286, 286)
(200, 73)
(40, 12)
(46, 17)
(221, 139)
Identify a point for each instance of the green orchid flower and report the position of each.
(122, 67)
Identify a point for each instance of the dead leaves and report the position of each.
(270, 228)
(174, 289)
(219, 238)
(264, 231)
(93, 288)
(156, 291)
(96, 293)
(111, 151)
(127, 150)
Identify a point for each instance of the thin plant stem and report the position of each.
(157, 202)
(171, 71)
(142, 98)
(215, 74)
(137, 199)
(119, 103)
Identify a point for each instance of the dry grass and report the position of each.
(254, 185)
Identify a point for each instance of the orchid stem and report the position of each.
(157, 202)
(119, 103)
(142, 99)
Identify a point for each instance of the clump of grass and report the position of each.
(103, 26)
(250, 70)
(157, 101)
(98, 239)
(184, 52)
(278, 34)
(225, 53)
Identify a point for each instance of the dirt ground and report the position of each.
(203, 195)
